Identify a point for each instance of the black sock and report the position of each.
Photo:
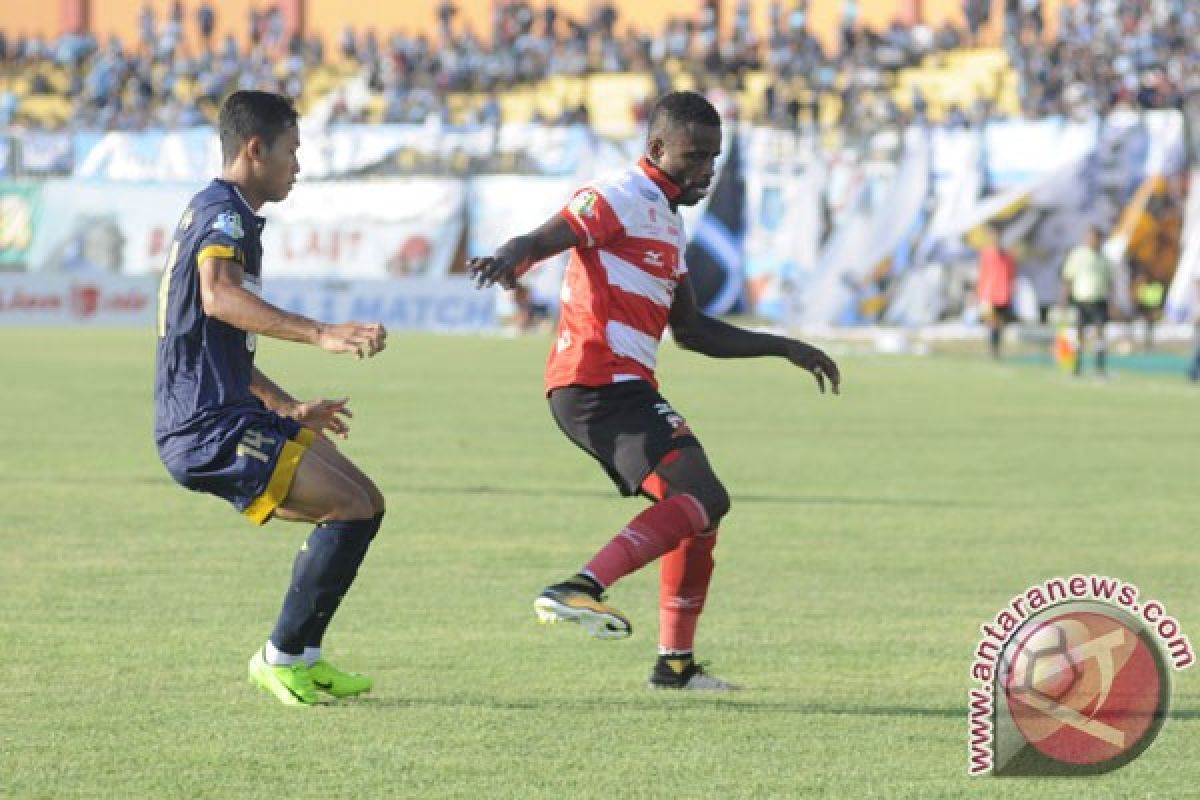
(589, 584)
(314, 631)
(673, 663)
(321, 574)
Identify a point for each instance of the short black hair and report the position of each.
(682, 109)
(247, 113)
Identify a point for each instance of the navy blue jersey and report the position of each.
(202, 382)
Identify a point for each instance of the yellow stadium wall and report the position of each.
(411, 16)
(30, 19)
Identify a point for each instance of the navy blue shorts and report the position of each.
(250, 462)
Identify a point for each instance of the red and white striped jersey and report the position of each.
(620, 282)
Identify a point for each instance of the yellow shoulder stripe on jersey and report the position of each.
(225, 251)
(263, 507)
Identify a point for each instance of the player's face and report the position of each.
(688, 153)
(278, 166)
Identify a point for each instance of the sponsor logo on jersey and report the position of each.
(584, 204)
(230, 224)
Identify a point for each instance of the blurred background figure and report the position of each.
(1194, 369)
(1087, 279)
(997, 279)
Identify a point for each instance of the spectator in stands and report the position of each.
(206, 23)
(146, 28)
(1087, 279)
(849, 24)
(1105, 53)
(976, 13)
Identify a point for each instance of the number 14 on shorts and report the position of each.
(255, 444)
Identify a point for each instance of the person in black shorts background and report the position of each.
(1087, 280)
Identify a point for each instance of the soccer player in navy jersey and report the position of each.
(224, 428)
(625, 284)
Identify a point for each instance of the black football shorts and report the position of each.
(628, 427)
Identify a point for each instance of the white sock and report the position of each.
(312, 655)
(277, 658)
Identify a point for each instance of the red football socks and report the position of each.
(683, 586)
(657, 530)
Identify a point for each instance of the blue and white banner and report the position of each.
(1183, 298)
(857, 262)
(345, 150)
(785, 184)
(448, 305)
(402, 228)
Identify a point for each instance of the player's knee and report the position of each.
(352, 504)
(716, 502)
(378, 505)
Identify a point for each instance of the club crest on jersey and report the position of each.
(230, 224)
(584, 204)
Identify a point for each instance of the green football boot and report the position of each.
(292, 685)
(331, 680)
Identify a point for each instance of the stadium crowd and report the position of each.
(157, 81)
(1105, 53)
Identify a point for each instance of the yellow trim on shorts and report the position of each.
(219, 251)
(262, 508)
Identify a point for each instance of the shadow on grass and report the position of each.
(807, 500)
(673, 702)
(666, 703)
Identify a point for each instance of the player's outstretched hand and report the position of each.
(324, 416)
(815, 361)
(510, 262)
(353, 337)
(499, 269)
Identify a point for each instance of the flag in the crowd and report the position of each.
(714, 255)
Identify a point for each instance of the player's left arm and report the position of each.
(322, 416)
(700, 333)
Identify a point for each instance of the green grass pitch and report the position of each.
(870, 536)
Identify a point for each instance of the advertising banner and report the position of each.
(350, 230)
(27, 299)
(448, 305)
(19, 209)
(441, 305)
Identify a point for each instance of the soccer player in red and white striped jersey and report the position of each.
(626, 283)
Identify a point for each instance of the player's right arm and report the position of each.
(517, 256)
(225, 298)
